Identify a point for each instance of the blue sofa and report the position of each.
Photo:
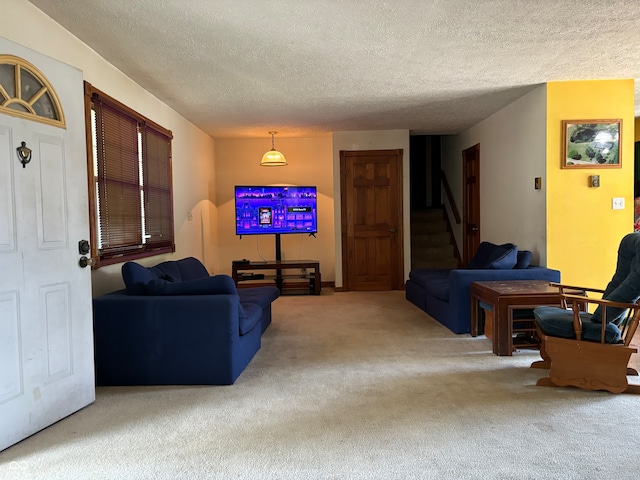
(174, 324)
(445, 294)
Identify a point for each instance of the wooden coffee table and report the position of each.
(504, 297)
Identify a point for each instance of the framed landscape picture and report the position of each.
(591, 143)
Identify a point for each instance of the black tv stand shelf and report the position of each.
(303, 276)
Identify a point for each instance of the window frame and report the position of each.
(145, 125)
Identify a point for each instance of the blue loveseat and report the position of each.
(174, 324)
(445, 294)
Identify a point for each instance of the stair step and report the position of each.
(436, 226)
(426, 239)
(427, 215)
(433, 252)
(431, 243)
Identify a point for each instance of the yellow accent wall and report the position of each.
(583, 231)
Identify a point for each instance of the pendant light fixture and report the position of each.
(273, 158)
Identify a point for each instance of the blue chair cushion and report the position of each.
(558, 322)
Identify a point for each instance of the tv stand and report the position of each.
(304, 275)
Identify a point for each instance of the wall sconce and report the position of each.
(24, 154)
(273, 158)
(594, 181)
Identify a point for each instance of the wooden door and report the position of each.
(471, 202)
(46, 334)
(371, 200)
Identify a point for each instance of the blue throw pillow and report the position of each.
(503, 258)
(482, 255)
(524, 259)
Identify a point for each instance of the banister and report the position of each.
(452, 202)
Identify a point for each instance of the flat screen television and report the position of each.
(276, 209)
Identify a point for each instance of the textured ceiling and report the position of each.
(240, 68)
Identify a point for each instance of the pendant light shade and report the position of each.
(273, 158)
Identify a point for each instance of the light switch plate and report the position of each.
(617, 203)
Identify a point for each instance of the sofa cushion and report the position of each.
(558, 322)
(482, 255)
(136, 277)
(524, 259)
(217, 284)
(423, 276)
(438, 288)
(185, 269)
(262, 296)
(503, 258)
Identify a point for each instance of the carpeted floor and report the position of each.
(347, 386)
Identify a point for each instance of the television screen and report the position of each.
(269, 209)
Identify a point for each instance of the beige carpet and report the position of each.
(347, 386)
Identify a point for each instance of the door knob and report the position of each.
(393, 230)
(84, 262)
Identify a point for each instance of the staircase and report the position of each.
(431, 242)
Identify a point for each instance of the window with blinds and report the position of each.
(130, 184)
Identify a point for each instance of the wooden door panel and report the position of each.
(372, 219)
(372, 265)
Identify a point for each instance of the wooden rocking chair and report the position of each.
(587, 354)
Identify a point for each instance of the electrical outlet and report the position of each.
(617, 203)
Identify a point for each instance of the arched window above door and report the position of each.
(26, 93)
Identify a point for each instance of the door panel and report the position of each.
(46, 328)
(10, 351)
(371, 195)
(50, 192)
(7, 206)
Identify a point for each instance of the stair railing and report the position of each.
(450, 199)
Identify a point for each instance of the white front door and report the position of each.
(46, 334)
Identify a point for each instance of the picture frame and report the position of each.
(591, 143)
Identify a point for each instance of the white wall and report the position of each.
(512, 153)
(193, 150)
(371, 140)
